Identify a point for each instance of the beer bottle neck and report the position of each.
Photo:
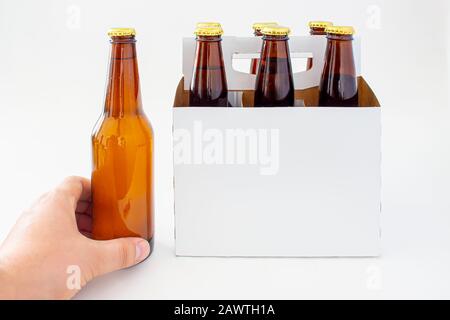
(209, 51)
(123, 91)
(275, 47)
(340, 55)
(275, 38)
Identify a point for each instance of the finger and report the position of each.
(112, 255)
(76, 188)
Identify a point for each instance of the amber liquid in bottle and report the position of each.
(314, 32)
(209, 83)
(338, 85)
(122, 147)
(274, 81)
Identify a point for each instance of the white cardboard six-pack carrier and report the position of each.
(276, 182)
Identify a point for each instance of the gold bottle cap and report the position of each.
(338, 30)
(275, 31)
(257, 26)
(208, 31)
(208, 24)
(120, 32)
(320, 24)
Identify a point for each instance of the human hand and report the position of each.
(48, 255)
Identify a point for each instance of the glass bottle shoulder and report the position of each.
(133, 127)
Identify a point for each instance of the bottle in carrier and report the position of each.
(338, 84)
(257, 33)
(122, 151)
(317, 28)
(209, 84)
(274, 81)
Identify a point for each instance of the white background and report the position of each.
(53, 58)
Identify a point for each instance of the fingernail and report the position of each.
(142, 250)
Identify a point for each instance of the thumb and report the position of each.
(112, 255)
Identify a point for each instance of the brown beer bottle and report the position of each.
(317, 28)
(209, 84)
(122, 150)
(338, 85)
(274, 82)
(257, 26)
